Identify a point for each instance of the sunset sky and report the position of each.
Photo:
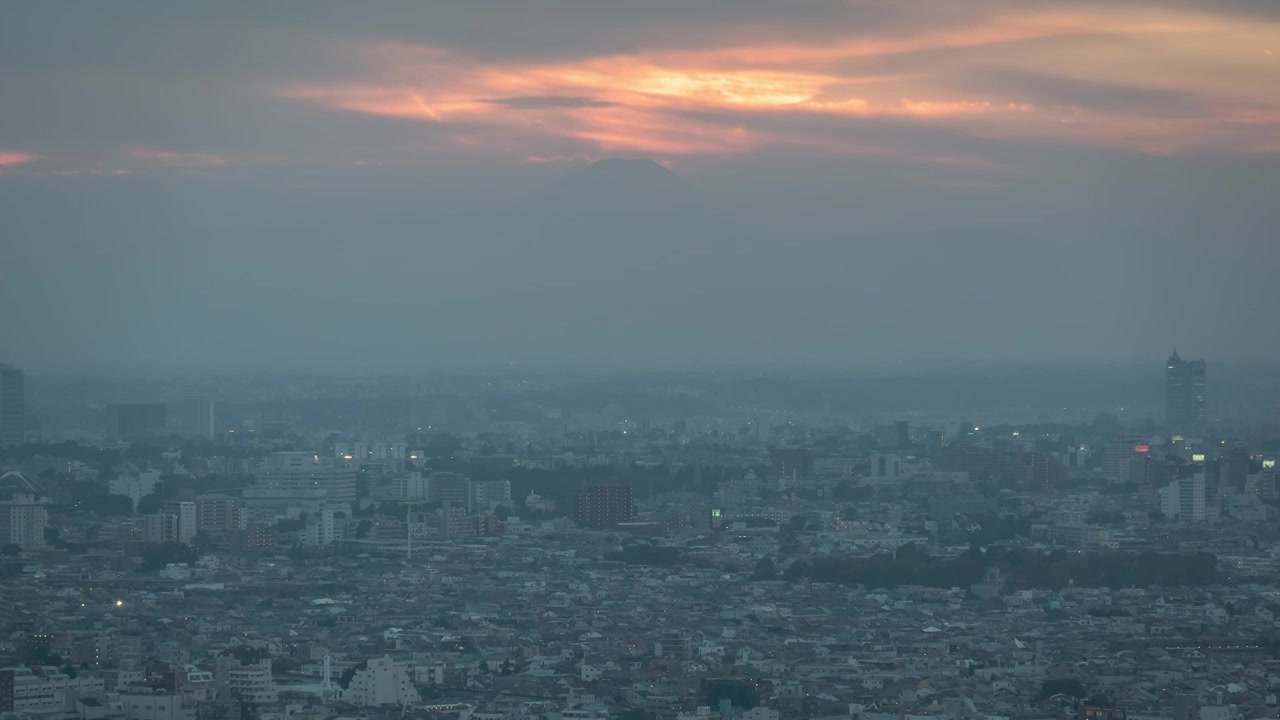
(140, 86)
(1144, 121)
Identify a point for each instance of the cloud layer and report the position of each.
(1142, 79)
(217, 87)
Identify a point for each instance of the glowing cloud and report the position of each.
(179, 160)
(13, 158)
(733, 97)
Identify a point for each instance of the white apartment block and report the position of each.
(22, 522)
(253, 684)
(156, 706)
(322, 528)
(382, 682)
(286, 474)
(485, 495)
(51, 690)
(1189, 499)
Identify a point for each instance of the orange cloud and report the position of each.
(13, 158)
(186, 161)
(728, 98)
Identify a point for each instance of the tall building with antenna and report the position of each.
(1185, 391)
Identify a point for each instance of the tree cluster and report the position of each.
(160, 555)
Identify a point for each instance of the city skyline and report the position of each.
(639, 360)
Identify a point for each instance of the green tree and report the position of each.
(849, 490)
(10, 550)
(292, 524)
(202, 543)
(765, 570)
(156, 557)
(150, 504)
(443, 445)
(741, 693)
(247, 654)
(105, 505)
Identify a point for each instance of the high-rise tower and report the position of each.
(13, 405)
(1184, 395)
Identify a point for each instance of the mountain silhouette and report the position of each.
(623, 185)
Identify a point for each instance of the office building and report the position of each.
(219, 514)
(285, 501)
(1081, 536)
(413, 486)
(198, 417)
(187, 514)
(1045, 471)
(902, 434)
(160, 528)
(485, 495)
(289, 474)
(1125, 462)
(455, 523)
(22, 522)
(449, 489)
(603, 506)
(1190, 499)
(884, 465)
(1185, 390)
(1233, 469)
(13, 407)
(131, 420)
(322, 528)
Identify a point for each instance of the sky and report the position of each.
(852, 186)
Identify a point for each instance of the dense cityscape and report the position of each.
(194, 557)
(639, 360)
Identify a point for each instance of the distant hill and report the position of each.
(620, 185)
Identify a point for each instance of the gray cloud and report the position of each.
(1048, 89)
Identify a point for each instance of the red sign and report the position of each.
(1142, 448)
